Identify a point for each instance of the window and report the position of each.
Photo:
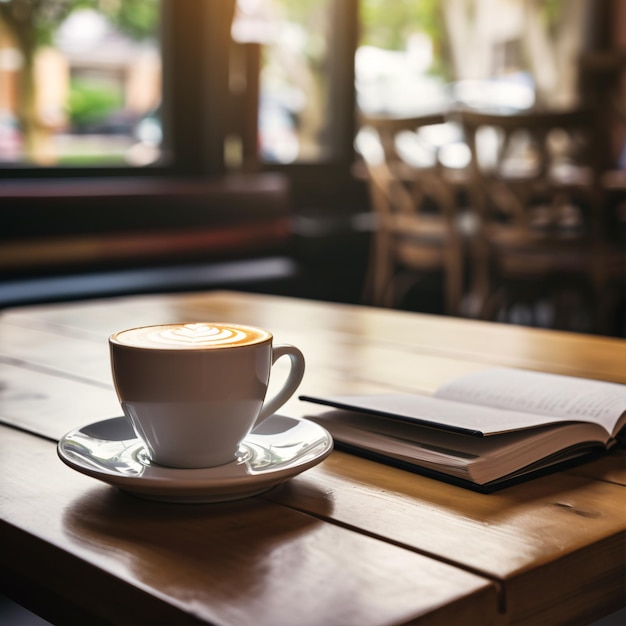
(294, 76)
(80, 83)
(138, 86)
(401, 68)
(305, 108)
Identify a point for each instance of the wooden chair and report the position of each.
(415, 217)
(543, 249)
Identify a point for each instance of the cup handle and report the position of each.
(291, 383)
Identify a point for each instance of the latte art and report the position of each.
(198, 334)
(190, 336)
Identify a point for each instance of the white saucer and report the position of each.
(277, 450)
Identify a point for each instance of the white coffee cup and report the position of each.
(192, 392)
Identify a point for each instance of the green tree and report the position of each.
(32, 23)
(387, 24)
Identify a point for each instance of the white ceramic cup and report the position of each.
(192, 392)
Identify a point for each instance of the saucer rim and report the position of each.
(197, 485)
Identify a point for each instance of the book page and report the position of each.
(453, 415)
(480, 459)
(539, 393)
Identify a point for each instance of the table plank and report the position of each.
(251, 561)
(480, 343)
(338, 360)
(483, 342)
(361, 368)
(556, 544)
(83, 358)
(610, 468)
(49, 404)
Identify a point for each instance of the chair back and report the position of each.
(414, 212)
(534, 181)
(535, 169)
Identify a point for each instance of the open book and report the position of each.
(484, 430)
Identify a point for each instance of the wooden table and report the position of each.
(347, 542)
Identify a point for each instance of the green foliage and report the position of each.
(91, 101)
(137, 18)
(301, 11)
(387, 23)
(87, 160)
(552, 12)
(34, 22)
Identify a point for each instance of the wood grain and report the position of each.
(610, 468)
(245, 562)
(546, 541)
(553, 546)
(481, 343)
(50, 405)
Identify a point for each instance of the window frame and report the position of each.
(196, 109)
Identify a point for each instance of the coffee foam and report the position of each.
(191, 336)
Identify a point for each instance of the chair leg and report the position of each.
(479, 280)
(492, 304)
(453, 284)
(378, 271)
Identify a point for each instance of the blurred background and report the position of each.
(453, 157)
(459, 157)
